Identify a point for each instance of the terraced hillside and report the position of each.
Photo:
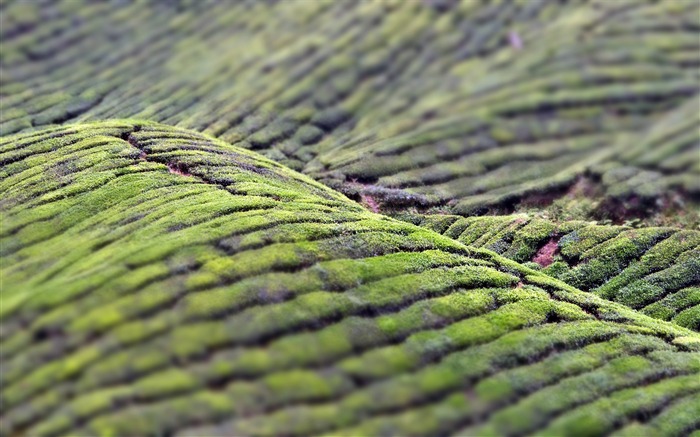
(159, 281)
(655, 270)
(390, 217)
(469, 106)
(609, 174)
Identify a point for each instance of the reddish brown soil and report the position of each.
(369, 202)
(545, 256)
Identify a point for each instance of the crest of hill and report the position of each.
(159, 281)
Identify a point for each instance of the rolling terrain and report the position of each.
(149, 270)
(387, 217)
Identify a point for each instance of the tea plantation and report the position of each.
(419, 217)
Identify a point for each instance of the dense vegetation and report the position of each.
(350, 218)
(656, 270)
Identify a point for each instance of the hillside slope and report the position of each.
(160, 281)
(653, 269)
(467, 106)
(386, 217)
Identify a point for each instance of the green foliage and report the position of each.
(202, 283)
(593, 117)
(162, 279)
(651, 269)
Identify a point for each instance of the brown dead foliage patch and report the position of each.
(179, 169)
